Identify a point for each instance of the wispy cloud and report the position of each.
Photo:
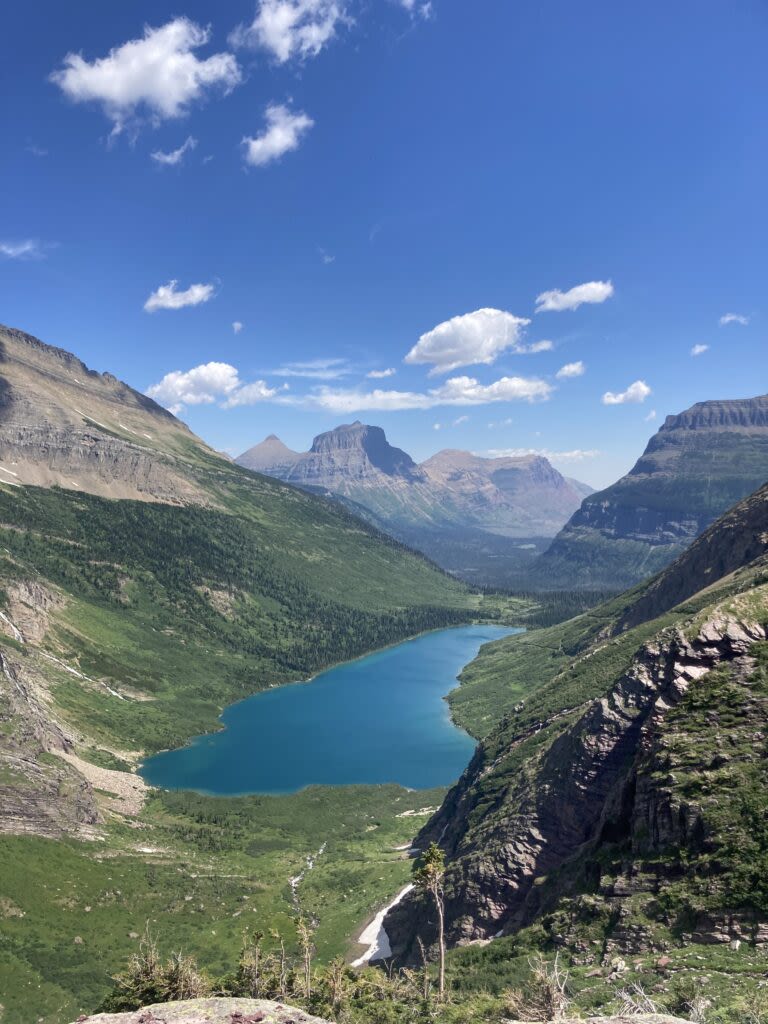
(574, 455)
(636, 392)
(284, 132)
(314, 369)
(733, 318)
(381, 374)
(455, 391)
(28, 249)
(36, 150)
(470, 339)
(417, 8)
(590, 292)
(236, 326)
(176, 156)
(158, 74)
(699, 350)
(292, 29)
(167, 296)
(577, 369)
(651, 416)
(325, 257)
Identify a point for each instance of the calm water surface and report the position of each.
(378, 719)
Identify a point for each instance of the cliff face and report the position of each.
(698, 464)
(636, 775)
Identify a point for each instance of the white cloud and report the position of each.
(576, 369)
(250, 394)
(167, 296)
(284, 132)
(236, 326)
(201, 385)
(636, 392)
(699, 350)
(575, 455)
(29, 249)
(590, 292)
(158, 73)
(459, 420)
(381, 374)
(325, 257)
(478, 337)
(417, 8)
(733, 318)
(537, 346)
(291, 28)
(175, 156)
(314, 369)
(651, 416)
(207, 384)
(455, 391)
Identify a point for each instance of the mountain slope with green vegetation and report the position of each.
(699, 464)
(618, 808)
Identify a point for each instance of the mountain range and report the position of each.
(453, 498)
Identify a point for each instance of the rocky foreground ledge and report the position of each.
(209, 1011)
(261, 1011)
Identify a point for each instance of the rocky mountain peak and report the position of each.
(358, 443)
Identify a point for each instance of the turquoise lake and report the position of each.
(381, 718)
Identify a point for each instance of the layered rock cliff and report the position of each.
(696, 466)
(64, 425)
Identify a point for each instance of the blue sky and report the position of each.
(390, 186)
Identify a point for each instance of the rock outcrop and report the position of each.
(211, 1011)
(694, 468)
(596, 775)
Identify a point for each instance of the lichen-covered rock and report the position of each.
(215, 1011)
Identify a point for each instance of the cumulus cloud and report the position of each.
(28, 249)
(236, 326)
(455, 391)
(636, 392)
(699, 350)
(472, 338)
(574, 455)
(381, 374)
(159, 74)
(576, 369)
(284, 132)
(532, 349)
(201, 385)
(207, 384)
(167, 296)
(291, 29)
(175, 157)
(733, 318)
(590, 292)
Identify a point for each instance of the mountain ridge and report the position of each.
(698, 464)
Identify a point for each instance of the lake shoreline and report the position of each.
(380, 718)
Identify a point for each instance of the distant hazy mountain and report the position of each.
(696, 466)
(454, 491)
